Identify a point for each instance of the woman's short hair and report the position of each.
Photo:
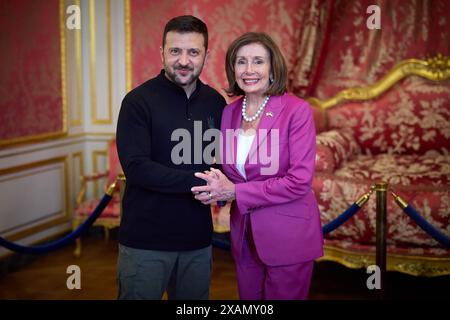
(277, 63)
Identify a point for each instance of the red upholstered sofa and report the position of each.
(397, 131)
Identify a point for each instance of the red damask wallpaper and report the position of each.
(286, 21)
(31, 99)
(326, 43)
(358, 56)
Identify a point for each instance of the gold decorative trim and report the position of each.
(108, 44)
(435, 69)
(128, 70)
(95, 155)
(221, 229)
(111, 189)
(80, 157)
(412, 265)
(62, 32)
(92, 31)
(365, 197)
(381, 186)
(63, 132)
(399, 200)
(93, 58)
(78, 63)
(98, 134)
(63, 217)
(106, 136)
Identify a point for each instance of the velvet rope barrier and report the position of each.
(221, 243)
(336, 223)
(68, 238)
(421, 222)
(347, 214)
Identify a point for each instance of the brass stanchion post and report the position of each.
(381, 191)
(123, 181)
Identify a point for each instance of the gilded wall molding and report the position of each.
(77, 177)
(60, 218)
(93, 63)
(79, 76)
(96, 154)
(128, 67)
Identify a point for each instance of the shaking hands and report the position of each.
(218, 187)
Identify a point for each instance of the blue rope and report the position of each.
(63, 241)
(354, 208)
(221, 240)
(221, 244)
(336, 223)
(427, 227)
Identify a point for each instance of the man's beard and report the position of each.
(176, 78)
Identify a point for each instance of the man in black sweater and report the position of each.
(165, 234)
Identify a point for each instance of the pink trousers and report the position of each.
(257, 281)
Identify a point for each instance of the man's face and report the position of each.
(183, 57)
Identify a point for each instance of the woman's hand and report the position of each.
(219, 188)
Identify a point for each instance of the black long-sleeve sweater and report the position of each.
(159, 211)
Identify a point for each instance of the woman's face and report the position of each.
(252, 68)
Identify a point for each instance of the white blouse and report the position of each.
(244, 144)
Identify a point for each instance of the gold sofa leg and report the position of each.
(77, 251)
(106, 234)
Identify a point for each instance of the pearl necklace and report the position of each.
(256, 115)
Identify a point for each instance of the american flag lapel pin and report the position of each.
(269, 114)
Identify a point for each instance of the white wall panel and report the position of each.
(32, 196)
(38, 195)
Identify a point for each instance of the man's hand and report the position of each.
(218, 187)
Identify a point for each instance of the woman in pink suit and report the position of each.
(268, 154)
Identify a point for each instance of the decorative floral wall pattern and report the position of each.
(327, 44)
(31, 97)
(357, 56)
(286, 21)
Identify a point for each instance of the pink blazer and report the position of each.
(276, 196)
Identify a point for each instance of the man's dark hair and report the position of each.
(185, 24)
